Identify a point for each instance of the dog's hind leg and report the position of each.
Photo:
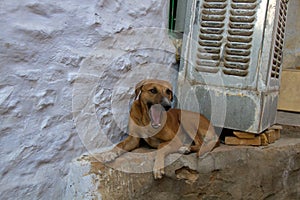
(195, 147)
(201, 131)
(210, 141)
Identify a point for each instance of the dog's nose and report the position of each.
(167, 107)
(166, 103)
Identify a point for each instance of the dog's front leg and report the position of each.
(164, 149)
(128, 144)
(159, 164)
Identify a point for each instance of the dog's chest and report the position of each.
(142, 131)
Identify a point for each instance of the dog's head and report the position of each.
(157, 96)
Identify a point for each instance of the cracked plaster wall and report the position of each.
(54, 51)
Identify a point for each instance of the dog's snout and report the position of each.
(166, 103)
(167, 107)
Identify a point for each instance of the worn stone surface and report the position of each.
(55, 55)
(271, 172)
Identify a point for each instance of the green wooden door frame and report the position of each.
(172, 15)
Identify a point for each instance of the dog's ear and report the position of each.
(138, 89)
(172, 97)
(170, 89)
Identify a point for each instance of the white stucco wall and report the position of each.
(67, 71)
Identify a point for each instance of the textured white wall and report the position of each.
(70, 61)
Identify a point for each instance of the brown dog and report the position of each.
(152, 119)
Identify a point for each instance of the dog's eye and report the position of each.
(168, 92)
(153, 91)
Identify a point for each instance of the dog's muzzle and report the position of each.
(166, 103)
(156, 112)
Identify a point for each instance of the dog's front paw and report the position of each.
(158, 173)
(108, 156)
(184, 150)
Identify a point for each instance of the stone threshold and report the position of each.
(228, 172)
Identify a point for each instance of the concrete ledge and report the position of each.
(271, 172)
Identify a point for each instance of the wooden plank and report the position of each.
(277, 134)
(264, 139)
(271, 136)
(244, 135)
(249, 139)
(246, 142)
(275, 127)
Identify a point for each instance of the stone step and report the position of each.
(228, 172)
